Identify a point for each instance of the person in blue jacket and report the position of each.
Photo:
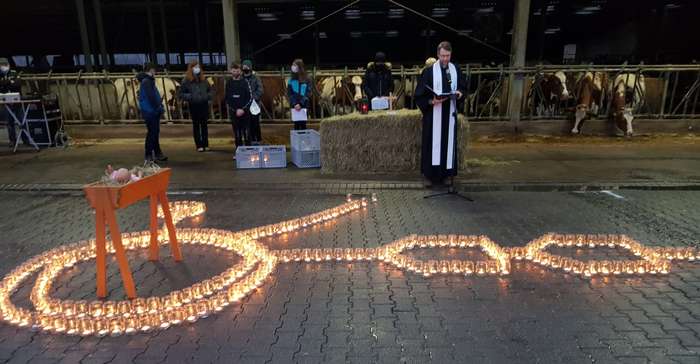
(299, 90)
(151, 106)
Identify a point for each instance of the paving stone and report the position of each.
(370, 312)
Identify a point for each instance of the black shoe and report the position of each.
(162, 158)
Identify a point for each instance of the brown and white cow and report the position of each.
(548, 91)
(274, 99)
(590, 96)
(626, 94)
(127, 91)
(339, 92)
(627, 90)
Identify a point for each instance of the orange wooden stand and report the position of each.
(106, 200)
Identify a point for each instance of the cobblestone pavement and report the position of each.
(370, 312)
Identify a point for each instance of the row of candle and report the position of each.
(306, 221)
(653, 260)
(180, 210)
(145, 314)
(251, 251)
(392, 254)
(144, 321)
(211, 295)
(63, 314)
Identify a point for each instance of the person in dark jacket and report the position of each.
(151, 106)
(256, 87)
(9, 83)
(197, 92)
(299, 90)
(238, 99)
(378, 81)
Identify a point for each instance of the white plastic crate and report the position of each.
(248, 157)
(273, 156)
(305, 140)
(306, 159)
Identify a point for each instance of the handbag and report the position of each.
(254, 108)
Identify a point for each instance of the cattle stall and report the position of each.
(552, 93)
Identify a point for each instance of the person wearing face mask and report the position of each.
(256, 88)
(197, 92)
(378, 81)
(9, 83)
(299, 90)
(151, 106)
(238, 99)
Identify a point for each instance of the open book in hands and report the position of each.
(444, 95)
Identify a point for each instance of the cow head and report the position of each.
(357, 81)
(583, 102)
(563, 90)
(622, 114)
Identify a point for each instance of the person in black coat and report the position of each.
(238, 99)
(197, 92)
(378, 81)
(438, 92)
(256, 87)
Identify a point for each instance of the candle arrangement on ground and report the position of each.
(201, 299)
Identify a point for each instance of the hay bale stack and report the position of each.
(378, 142)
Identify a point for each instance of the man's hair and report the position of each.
(235, 65)
(444, 45)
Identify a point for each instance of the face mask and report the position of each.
(4, 69)
(247, 70)
(295, 68)
(196, 70)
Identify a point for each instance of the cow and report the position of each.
(274, 102)
(218, 106)
(335, 91)
(590, 95)
(404, 88)
(547, 92)
(127, 91)
(484, 98)
(84, 101)
(627, 92)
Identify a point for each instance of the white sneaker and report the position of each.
(200, 149)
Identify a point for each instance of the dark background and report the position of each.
(612, 31)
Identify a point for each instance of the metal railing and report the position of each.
(668, 92)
